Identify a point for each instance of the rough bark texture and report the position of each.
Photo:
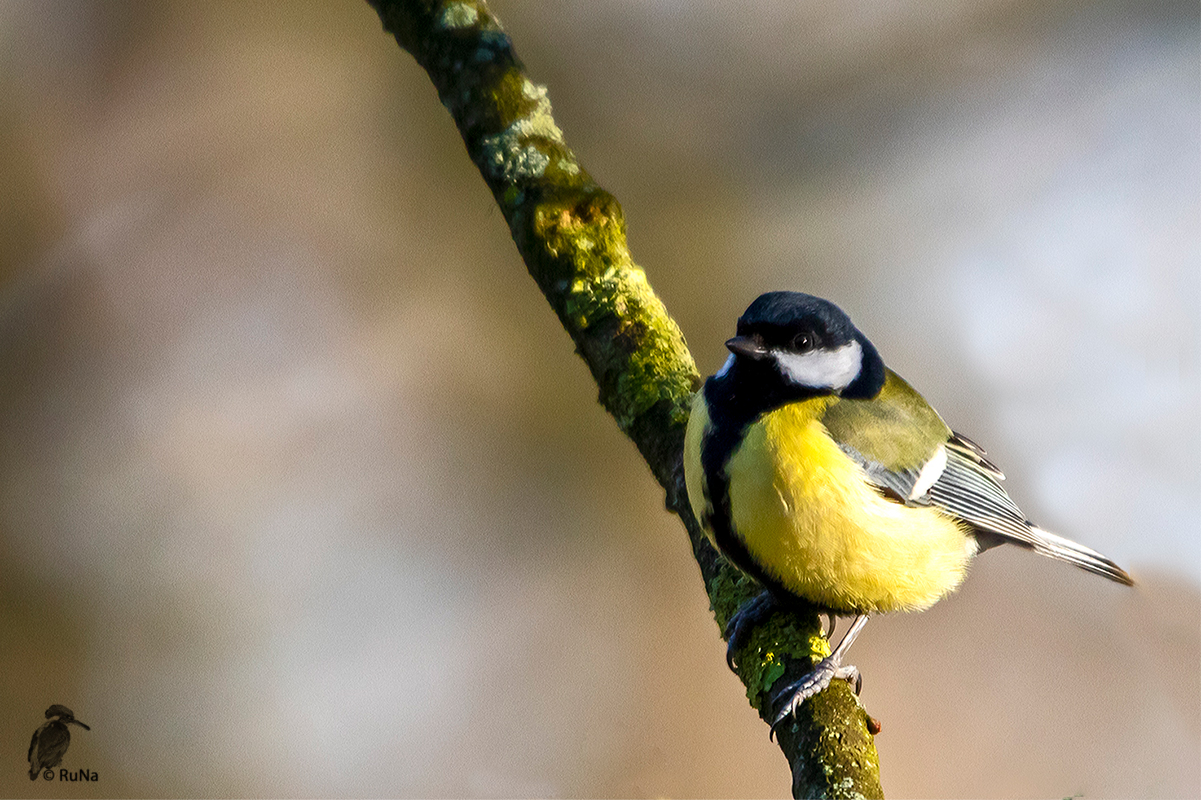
(571, 234)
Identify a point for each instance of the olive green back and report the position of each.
(897, 428)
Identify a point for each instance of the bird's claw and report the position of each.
(832, 620)
(739, 628)
(824, 673)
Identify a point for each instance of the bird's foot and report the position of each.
(738, 629)
(824, 673)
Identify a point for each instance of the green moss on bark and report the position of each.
(571, 234)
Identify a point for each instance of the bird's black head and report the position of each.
(59, 711)
(63, 714)
(792, 345)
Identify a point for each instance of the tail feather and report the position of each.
(1049, 544)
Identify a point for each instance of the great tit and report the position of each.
(822, 474)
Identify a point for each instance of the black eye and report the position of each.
(804, 342)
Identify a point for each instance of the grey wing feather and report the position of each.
(969, 489)
(896, 483)
(975, 453)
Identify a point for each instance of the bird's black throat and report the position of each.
(744, 393)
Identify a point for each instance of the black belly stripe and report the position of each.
(727, 431)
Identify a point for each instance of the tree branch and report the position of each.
(571, 234)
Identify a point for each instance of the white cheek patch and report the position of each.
(930, 473)
(721, 373)
(822, 369)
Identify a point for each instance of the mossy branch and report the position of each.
(572, 236)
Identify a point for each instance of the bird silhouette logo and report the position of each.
(51, 740)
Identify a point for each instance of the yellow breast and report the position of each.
(808, 517)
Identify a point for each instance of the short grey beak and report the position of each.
(80, 724)
(747, 346)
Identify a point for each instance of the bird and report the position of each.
(51, 739)
(819, 472)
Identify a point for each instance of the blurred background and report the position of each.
(304, 492)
